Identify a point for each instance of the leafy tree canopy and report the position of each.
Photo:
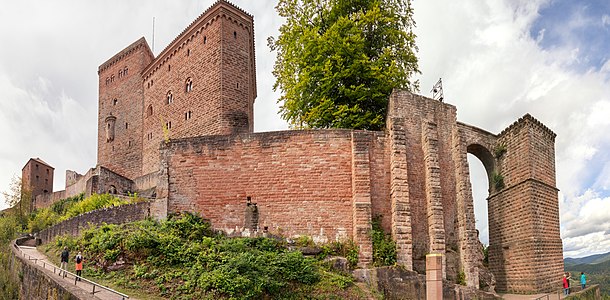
(339, 60)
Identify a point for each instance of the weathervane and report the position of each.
(437, 90)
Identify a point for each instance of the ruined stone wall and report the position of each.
(424, 200)
(119, 140)
(215, 56)
(316, 183)
(113, 215)
(525, 245)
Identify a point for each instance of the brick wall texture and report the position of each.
(181, 124)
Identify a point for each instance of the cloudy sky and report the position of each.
(498, 60)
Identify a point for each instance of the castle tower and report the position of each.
(37, 179)
(525, 248)
(203, 83)
(119, 140)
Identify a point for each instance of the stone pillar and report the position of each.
(467, 235)
(361, 196)
(434, 276)
(436, 227)
(399, 194)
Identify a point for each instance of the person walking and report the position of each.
(583, 280)
(65, 255)
(566, 285)
(79, 265)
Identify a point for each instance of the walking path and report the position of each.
(42, 261)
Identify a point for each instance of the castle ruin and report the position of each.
(178, 127)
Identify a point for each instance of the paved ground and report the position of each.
(554, 296)
(42, 261)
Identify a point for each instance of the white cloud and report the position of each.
(494, 71)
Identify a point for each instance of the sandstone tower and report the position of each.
(202, 83)
(119, 140)
(37, 178)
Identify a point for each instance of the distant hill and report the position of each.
(593, 259)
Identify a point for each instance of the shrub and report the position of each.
(384, 248)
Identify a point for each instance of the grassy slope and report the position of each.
(183, 259)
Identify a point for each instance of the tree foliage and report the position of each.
(339, 60)
(19, 199)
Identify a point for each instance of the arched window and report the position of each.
(115, 101)
(188, 85)
(107, 80)
(234, 34)
(205, 39)
(125, 71)
(120, 73)
(112, 78)
(149, 110)
(170, 98)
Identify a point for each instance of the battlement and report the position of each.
(127, 51)
(221, 8)
(526, 120)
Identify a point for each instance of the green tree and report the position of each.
(339, 60)
(19, 199)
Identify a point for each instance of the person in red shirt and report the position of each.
(566, 284)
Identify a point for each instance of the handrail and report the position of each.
(76, 277)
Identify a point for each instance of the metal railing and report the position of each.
(58, 270)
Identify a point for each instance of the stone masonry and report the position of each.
(178, 127)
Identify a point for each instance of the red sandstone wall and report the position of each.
(216, 52)
(525, 245)
(123, 154)
(301, 180)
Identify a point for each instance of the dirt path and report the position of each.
(42, 261)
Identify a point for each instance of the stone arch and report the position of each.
(486, 157)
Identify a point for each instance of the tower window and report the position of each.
(168, 125)
(126, 125)
(115, 101)
(234, 34)
(170, 98)
(120, 73)
(187, 115)
(188, 52)
(107, 80)
(205, 39)
(189, 85)
(149, 110)
(112, 78)
(125, 71)
(169, 68)
(36, 177)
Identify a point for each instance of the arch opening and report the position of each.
(480, 192)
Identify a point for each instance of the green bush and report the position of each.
(384, 248)
(182, 258)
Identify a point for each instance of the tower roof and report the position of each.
(38, 160)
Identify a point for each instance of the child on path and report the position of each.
(79, 265)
